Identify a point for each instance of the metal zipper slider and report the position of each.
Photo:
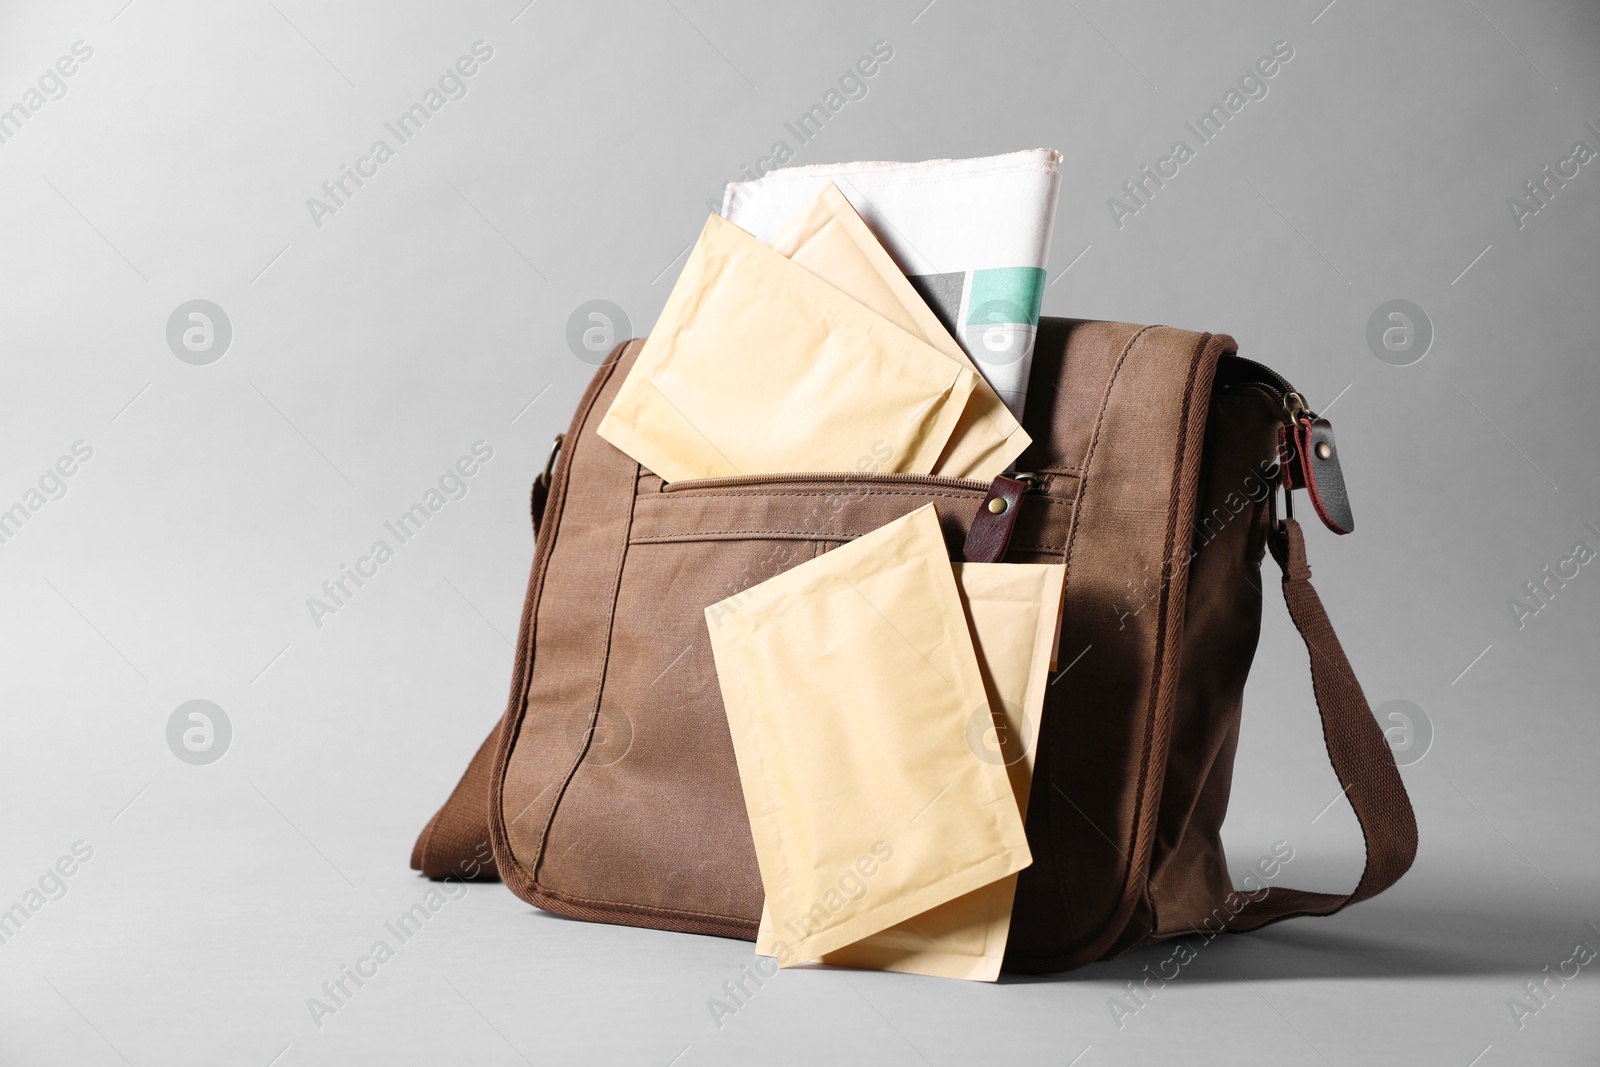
(1295, 406)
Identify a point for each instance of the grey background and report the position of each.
(431, 311)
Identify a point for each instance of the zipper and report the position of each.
(1292, 400)
(744, 480)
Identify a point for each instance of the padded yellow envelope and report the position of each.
(830, 240)
(1013, 610)
(757, 366)
(850, 682)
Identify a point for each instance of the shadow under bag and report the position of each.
(609, 789)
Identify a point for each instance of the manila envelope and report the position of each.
(850, 682)
(1014, 611)
(830, 240)
(757, 366)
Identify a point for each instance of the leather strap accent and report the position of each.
(990, 533)
(1324, 478)
(1309, 459)
(1356, 747)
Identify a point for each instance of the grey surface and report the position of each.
(431, 312)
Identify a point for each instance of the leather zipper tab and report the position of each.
(990, 533)
(1322, 475)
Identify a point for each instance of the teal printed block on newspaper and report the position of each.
(1006, 295)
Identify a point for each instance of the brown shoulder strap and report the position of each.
(1356, 747)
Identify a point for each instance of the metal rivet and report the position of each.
(997, 506)
(1324, 450)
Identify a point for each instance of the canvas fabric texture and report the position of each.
(609, 790)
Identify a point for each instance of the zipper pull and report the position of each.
(990, 533)
(1309, 459)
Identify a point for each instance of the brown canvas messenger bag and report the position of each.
(609, 791)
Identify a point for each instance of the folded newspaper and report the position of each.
(973, 236)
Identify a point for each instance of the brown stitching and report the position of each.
(1072, 539)
(598, 904)
(1094, 441)
(669, 538)
(1163, 622)
(712, 495)
(830, 536)
(964, 494)
(516, 876)
(1163, 619)
(676, 535)
(599, 690)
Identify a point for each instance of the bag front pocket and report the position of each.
(652, 818)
